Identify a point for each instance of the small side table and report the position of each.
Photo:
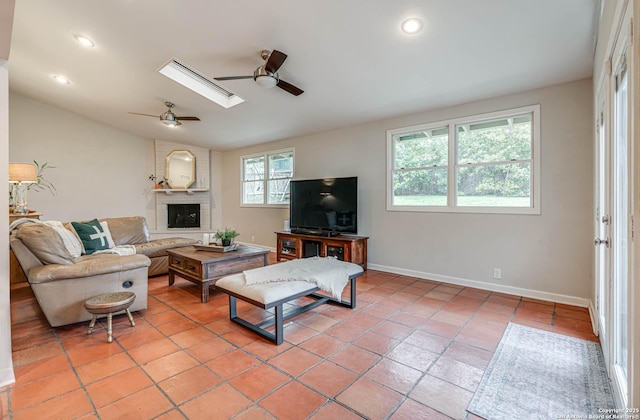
(109, 303)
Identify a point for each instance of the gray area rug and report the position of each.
(535, 374)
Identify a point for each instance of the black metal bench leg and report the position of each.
(232, 307)
(279, 323)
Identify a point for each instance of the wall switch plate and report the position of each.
(497, 273)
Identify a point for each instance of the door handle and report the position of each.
(599, 241)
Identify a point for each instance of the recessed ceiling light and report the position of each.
(62, 80)
(411, 26)
(84, 41)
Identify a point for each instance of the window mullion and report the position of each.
(452, 187)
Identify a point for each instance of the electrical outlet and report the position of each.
(497, 273)
(253, 238)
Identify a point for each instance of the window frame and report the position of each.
(452, 166)
(266, 179)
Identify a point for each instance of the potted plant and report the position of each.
(42, 184)
(226, 236)
(156, 181)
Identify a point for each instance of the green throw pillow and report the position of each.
(92, 235)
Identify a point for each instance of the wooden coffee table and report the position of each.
(205, 267)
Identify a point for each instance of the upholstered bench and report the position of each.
(275, 293)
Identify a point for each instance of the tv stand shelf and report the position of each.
(348, 248)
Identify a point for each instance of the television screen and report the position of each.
(324, 205)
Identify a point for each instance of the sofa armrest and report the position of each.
(86, 266)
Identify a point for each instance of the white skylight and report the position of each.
(198, 83)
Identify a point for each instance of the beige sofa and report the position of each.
(61, 283)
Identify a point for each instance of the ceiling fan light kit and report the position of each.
(168, 118)
(267, 76)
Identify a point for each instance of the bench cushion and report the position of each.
(265, 294)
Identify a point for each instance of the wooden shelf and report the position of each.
(189, 191)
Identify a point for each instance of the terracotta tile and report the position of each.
(33, 354)
(487, 314)
(169, 365)
(333, 411)
(322, 345)
(102, 368)
(293, 401)
(573, 312)
(533, 315)
(394, 375)
(153, 350)
(538, 301)
(41, 390)
(442, 396)
(295, 361)
(470, 355)
(407, 319)
(71, 405)
(457, 373)
(192, 337)
(259, 381)
(451, 317)
(474, 293)
(295, 333)
(232, 364)
(318, 322)
(265, 350)
(355, 359)
(376, 343)
(41, 369)
(574, 324)
(537, 306)
(328, 378)
(504, 300)
(577, 334)
(364, 321)
(478, 338)
(189, 384)
(345, 331)
(177, 326)
(439, 328)
(427, 341)
(460, 308)
(144, 404)
(118, 386)
(163, 317)
(434, 294)
(139, 337)
(170, 415)
(533, 324)
(412, 356)
(393, 330)
(412, 410)
(240, 337)
(254, 413)
(82, 355)
(370, 399)
(210, 349)
(381, 310)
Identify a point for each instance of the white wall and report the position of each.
(550, 255)
(100, 171)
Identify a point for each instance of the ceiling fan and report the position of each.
(168, 117)
(267, 75)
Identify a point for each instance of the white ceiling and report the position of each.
(349, 56)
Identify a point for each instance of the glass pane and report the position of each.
(494, 141)
(252, 192)
(281, 165)
(253, 169)
(278, 191)
(421, 149)
(425, 187)
(507, 185)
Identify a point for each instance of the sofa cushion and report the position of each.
(159, 247)
(45, 243)
(93, 235)
(128, 230)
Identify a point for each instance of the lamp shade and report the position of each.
(22, 172)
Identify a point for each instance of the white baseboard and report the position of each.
(7, 377)
(594, 319)
(518, 291)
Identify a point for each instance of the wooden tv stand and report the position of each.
(347, 248)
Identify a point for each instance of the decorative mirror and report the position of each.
(180, 169)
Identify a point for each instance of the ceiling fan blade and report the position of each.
(146, 115)
(294, 90)
(233, 78)
(276, 58)
(187, 118)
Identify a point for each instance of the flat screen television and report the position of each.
(324, 207)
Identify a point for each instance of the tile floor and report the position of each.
(412, 349)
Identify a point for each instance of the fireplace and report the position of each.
(183, 215)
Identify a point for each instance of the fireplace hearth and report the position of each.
(183, 216)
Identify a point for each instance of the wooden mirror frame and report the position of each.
(178, 172)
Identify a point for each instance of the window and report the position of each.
(485, 163)
(266, 177)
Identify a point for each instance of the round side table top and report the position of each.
(110, 300)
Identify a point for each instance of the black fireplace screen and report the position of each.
(183, 215)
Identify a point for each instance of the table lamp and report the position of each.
(21, 174)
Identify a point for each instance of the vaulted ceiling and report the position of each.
(349, 56)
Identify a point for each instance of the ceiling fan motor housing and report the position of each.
(265, 78)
